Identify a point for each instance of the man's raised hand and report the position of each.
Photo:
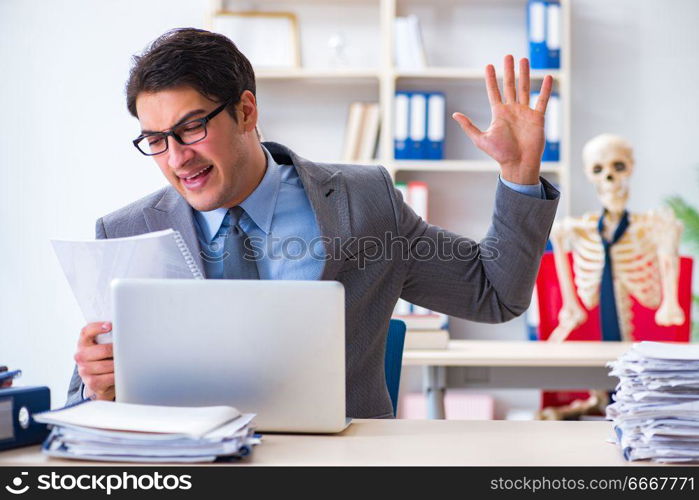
(515, 137)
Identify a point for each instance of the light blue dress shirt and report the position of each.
(535, 190)
(281, 226)
(279, 223)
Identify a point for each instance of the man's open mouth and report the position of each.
(203, 171)
(197, 179)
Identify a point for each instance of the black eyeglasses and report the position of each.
(187, 133)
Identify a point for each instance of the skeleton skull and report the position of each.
(608, 161)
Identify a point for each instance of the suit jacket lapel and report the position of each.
(173, 211)
(325, 188)
(329, 201)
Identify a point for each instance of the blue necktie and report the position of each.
(609, 318)
(238, 263)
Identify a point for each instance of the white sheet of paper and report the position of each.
(142, 418)
(91, 265)
(663, 350)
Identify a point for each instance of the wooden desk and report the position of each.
(539, 358)
(420, 442)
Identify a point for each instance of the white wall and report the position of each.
(635, 72)
(66, 157)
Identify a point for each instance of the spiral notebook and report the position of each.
(90, 266)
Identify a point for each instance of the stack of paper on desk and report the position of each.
(107, 431)
(656, 405)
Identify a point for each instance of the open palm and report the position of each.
(515, 137)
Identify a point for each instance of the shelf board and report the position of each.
(375, 74)
(468, 74)
(317, 74)
(547, 167)
(459, 166)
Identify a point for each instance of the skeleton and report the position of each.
(645, 260)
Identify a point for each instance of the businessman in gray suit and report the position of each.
(239, 202)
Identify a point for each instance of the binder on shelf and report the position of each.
(552, 126)
(553, 34)
(401, 123)
(544, 33)
(436, 111)
(417, 125)
(536, 30)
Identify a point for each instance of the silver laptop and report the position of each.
(274, 348)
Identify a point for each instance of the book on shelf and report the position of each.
(409, 50)
(370, 132)
(353, 131)
(431, 321)
(426, 339)
(418, 194)
(362, 131)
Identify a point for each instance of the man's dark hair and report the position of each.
(208, 62)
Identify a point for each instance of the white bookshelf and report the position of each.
(341, 77)
(460, 37)
(467, 74)
(306, 108)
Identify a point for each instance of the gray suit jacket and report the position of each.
(358, 210)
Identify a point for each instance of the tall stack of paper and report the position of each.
(121, 432)
(656, 408)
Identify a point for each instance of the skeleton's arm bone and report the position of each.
(668, 234)
(571, 314)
